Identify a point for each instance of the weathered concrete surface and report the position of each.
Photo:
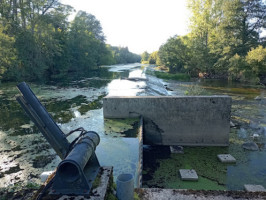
(174, 194)
(188, 175)
(193, 121)
(140, 165)
(254, 188)
(226, 158)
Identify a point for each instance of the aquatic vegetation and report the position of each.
(96, 104)
(19, 191)
(121, 127)
(233, 89)
(196, 90)
(32, 185)
(241, 119)
(63, 110)
(11, 115)
(163, 172)
(169, 76)
(42, 160)
(136, 196)
(73, 106)
(212, 174)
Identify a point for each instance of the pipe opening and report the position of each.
(125, 177)
(68, 172)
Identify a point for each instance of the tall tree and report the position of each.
(222, 28)
(145, 56)
(8, 54)
(173, 54)
(86, 42)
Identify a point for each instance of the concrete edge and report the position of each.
(173, 194)
(140, 167)
(166, 97)
(100, 192)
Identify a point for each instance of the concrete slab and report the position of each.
(169, 120)
(174, 194)
(188, 175)
(226, 158)
(98, 192)
(254, 188)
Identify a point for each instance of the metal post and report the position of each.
(43, 120)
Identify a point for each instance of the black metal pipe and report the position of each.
(70, 169)
(43, 120)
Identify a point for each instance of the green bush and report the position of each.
(256, 59)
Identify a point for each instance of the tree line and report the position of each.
(224, 42)
(38, 43)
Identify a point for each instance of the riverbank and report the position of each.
(163, 73)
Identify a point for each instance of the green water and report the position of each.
(24, 153)
(249, 116)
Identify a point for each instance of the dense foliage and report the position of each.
(224, 41)
(38, 43)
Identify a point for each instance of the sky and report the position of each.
(140, 25)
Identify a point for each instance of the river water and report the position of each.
(25, 153)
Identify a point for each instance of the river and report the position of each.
(25, 154)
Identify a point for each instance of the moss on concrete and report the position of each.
(136, 196)
(97, 181)
(111, 188)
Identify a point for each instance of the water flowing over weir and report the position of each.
(24, 154)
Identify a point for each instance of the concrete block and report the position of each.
(140, 164)
(188, 175)
(168, 120)
(254, 188)
(179, 194)
(226, 158)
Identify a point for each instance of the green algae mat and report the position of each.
(161, 167)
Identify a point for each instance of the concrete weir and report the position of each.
(168, 120)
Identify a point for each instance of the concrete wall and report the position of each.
(140, 165)
(189, 120)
